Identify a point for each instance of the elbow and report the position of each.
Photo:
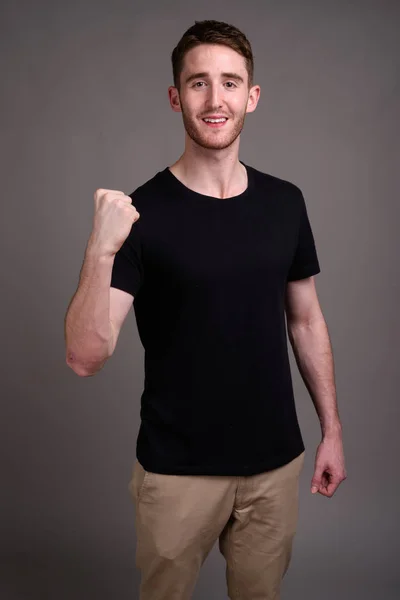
(80, 371)
(84, 368)
(291, 330)
(294, 331)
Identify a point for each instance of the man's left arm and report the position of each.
(309, 338)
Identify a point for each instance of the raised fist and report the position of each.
(114, 216)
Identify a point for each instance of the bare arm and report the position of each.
(95, 316)
(309, 338)
(96, 312)
(88, 331)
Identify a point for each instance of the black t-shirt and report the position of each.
(208, 277)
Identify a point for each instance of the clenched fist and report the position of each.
(114, 216)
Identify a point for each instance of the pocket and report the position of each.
(139, 480)
(298, 463)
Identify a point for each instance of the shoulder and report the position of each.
(283, 193)
(149, 197)
(149, 188)
(274, 183)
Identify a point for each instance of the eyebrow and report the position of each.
(205, 74)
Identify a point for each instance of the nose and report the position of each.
(214, 99)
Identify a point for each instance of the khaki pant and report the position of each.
(180, 517)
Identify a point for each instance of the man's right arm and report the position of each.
(96, 312)
(94, 316)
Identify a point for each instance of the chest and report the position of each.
(220, 245)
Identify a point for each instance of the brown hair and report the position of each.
(212, 32)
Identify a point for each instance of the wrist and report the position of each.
(95, 253)
(332, 431)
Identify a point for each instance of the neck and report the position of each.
(216, 173)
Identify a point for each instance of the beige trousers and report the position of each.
(180, 517)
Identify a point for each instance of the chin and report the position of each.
(213, 144)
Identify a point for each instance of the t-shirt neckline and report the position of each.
(178, 185)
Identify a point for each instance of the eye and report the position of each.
(231, 84)
(197, 83)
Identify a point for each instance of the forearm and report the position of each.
(88, 330)
(313, 352)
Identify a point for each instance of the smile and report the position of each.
(215, 122)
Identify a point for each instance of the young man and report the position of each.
(214, 253)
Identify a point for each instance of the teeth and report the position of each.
(215, 120)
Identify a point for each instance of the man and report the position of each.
(214, 254)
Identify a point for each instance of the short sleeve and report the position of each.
(127, 272)
(305, 261)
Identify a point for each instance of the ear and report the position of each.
(174, 99)
(254, 96)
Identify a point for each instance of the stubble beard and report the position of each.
(216, 141)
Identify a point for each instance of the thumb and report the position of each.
(316, 480)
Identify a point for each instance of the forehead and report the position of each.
(213, 58)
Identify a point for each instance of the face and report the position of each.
(214, 83)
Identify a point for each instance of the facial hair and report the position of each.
(212, 142)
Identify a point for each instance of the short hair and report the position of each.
(212, 32)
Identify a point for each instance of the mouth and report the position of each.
(215, 123)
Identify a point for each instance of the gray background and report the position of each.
(84, 105)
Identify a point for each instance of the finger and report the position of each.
(315, 486)
(331, 488)
(316, 481)
(326, 479)
(329, 491)
(102, 191)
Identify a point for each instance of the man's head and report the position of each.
(213, 76)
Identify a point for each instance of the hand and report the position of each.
(113, 219)
(330, 469)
